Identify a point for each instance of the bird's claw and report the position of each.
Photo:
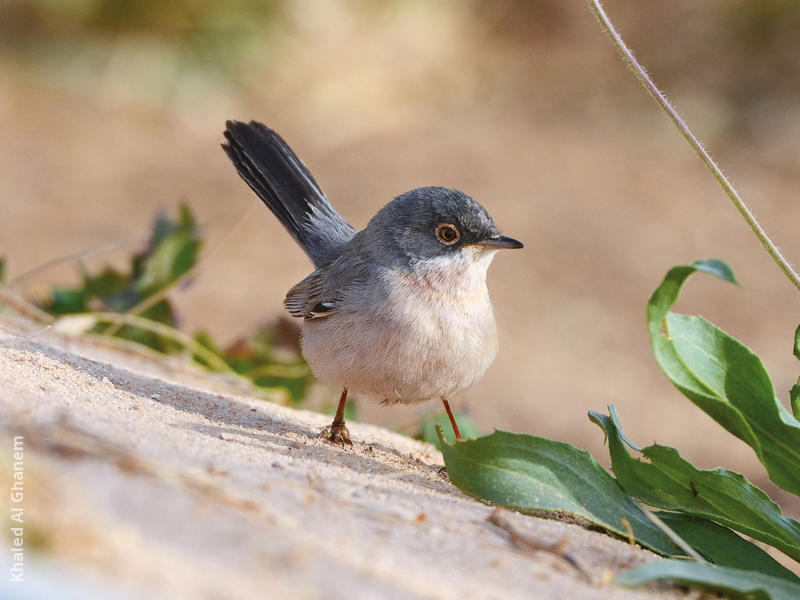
(336, 433)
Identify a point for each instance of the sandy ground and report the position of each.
(148, 479)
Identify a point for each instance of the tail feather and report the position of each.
(275, 173)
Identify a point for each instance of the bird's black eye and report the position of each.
(447, 233)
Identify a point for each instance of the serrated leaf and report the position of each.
(724, 378)
(734, 583)
(669, 481)
(722, 546)
(536, 475)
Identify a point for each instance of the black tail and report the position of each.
(282, 181)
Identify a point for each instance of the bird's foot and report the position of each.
(336, 433)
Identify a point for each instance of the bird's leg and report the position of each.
(336, 432)
(452, 419)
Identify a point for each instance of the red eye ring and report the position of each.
(447, 233)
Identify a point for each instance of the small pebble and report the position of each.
(155, 396)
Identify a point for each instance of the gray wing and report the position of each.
(310, 299)
(275, 173)
(351, 282)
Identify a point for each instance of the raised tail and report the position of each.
(282, 181)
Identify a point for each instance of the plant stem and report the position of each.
(18, 304)
(165, 331)
(71, 257)
(651, 88)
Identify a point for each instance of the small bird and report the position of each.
(398, 312)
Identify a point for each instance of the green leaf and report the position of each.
(733, 372)
(722, 546)
(794, 393)
(67, 301)
(172, 251)
(205, 339)
(668, 481)
(539, 476)
(428, 431)
(667, 293)
(716, 267)
(794, 398)
(187, 221)
(161, 312)
(668, 359)
(112, 288)
(2, 269)
(735, 583)
(163, 227)
(270, 357)
(797, 342)
(173, 256)
(724, 378)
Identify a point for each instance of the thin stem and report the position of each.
(676, 539)
(18, 304)
(86, 321)
(71, 257)
(651, 88)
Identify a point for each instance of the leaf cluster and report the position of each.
(171, 251)
(710, 514)
(133, 304)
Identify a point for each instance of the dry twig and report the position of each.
(499, 518)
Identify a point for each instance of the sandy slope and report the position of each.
(147, 479)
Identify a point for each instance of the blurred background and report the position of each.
(112, 110)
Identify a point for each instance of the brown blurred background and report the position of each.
(112, 110)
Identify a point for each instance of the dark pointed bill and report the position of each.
(501, 241)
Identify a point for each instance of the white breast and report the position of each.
(433, 337)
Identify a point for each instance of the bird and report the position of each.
(398, 312)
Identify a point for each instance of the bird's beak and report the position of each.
(500, 241)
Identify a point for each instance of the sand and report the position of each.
(147, 478)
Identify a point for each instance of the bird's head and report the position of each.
(436, 226)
